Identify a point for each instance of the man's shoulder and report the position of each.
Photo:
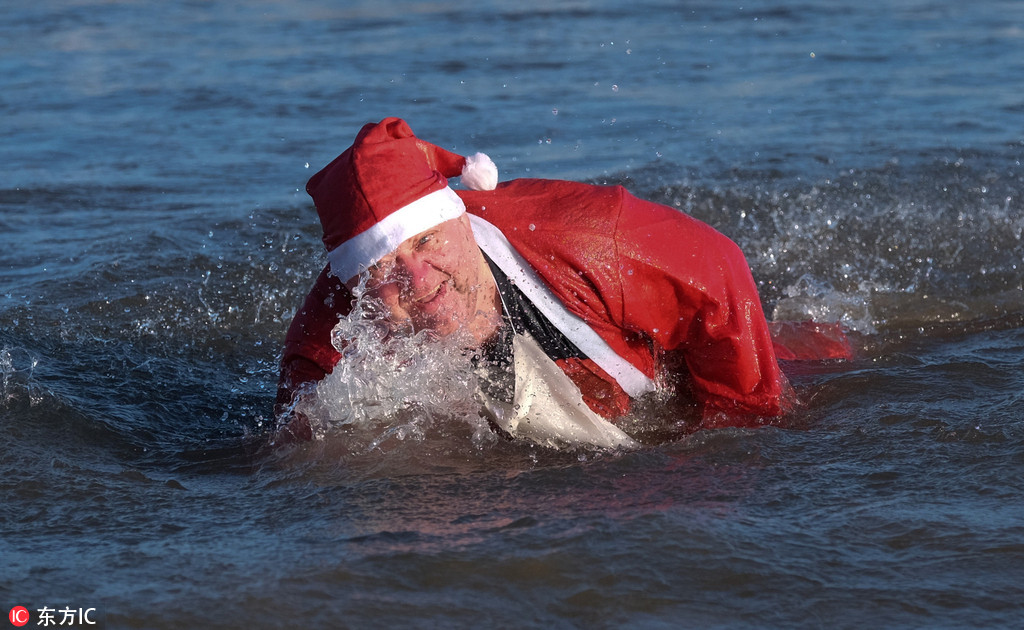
(536, 188)
(542, 205)
(309, 335)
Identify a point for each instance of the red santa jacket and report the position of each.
(641, 283)
(648, 280)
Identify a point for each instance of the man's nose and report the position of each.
(414, 272)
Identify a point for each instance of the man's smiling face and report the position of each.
(437, 280)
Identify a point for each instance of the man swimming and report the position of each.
(618, 292)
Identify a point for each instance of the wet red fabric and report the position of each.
(810, 341)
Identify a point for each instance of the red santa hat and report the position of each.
(389, 185)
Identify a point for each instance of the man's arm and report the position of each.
(689, 289)
(308, 353)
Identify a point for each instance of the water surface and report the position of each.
(157, 241)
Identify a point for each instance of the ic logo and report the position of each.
(19, 616)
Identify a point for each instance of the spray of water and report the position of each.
(16, 381)
(394, 384)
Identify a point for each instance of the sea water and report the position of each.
(157, 241)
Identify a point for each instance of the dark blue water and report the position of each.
(156, 241)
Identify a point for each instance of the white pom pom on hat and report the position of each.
(479, 173)
(388, 186)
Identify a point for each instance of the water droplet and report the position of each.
(532, 227)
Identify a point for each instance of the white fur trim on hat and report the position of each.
(479, 173)
(366, 248)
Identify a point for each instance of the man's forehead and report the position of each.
(449, 227)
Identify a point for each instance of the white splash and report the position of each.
(401, 386)
(816, 300)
